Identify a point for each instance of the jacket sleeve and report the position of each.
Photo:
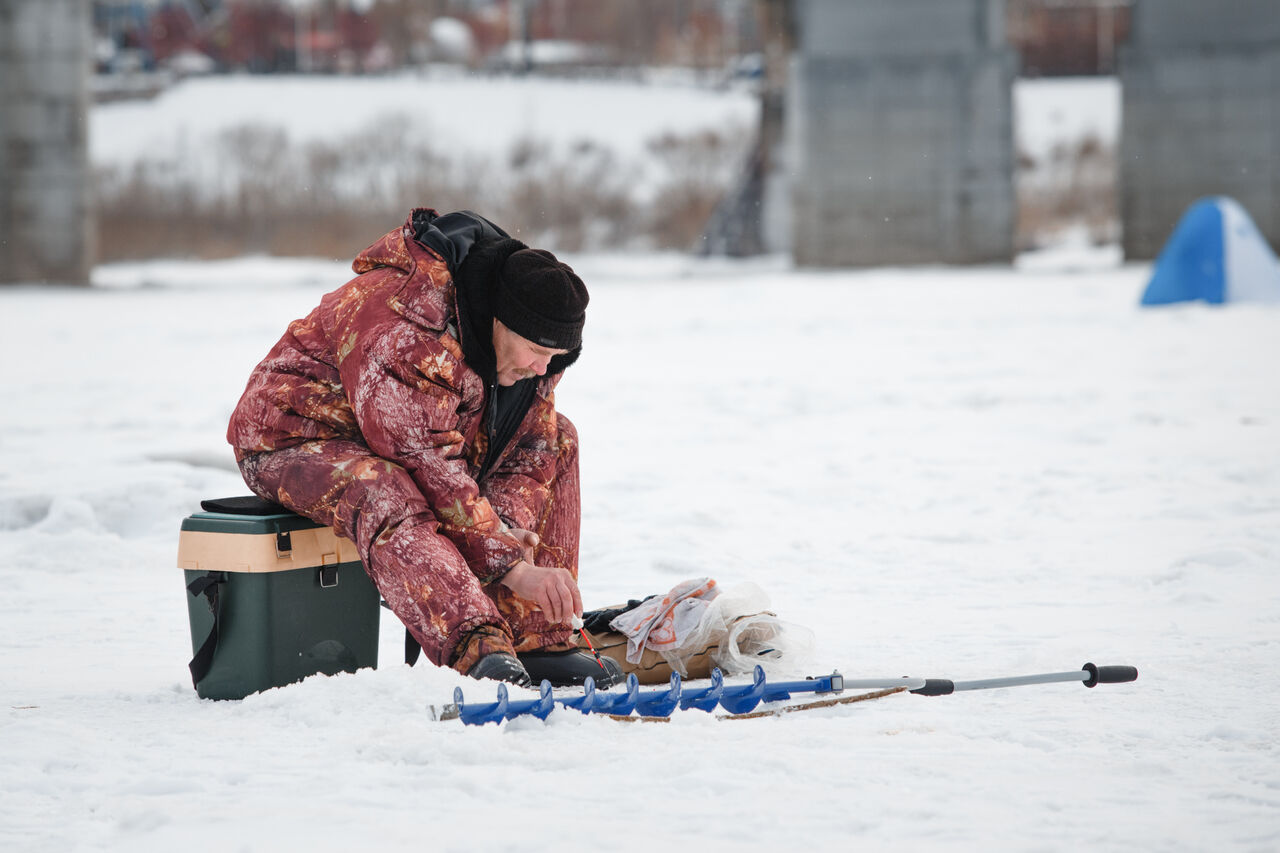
(405, 389)
(519, 487)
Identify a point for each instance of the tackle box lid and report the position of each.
(268, 538)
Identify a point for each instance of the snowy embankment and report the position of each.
(482, 117)
(293, 165)
(479, 115)
(461, 121)
(1052, 113)
(941, 473)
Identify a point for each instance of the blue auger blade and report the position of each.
(585, 703)
(741, 698)
(619, 703)
(478, 715)
(704, 698)
(660, 703)
(540, 707)
(776, 692)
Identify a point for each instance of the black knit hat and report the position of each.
(541, 299)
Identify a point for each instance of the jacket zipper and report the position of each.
(491, 452)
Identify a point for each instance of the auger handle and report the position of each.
(1090, 674)
(1109, 674)
(936, 687)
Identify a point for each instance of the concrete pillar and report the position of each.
(46, 231)
(1201, 115)
(900, 133)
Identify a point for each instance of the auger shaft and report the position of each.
(740, 699)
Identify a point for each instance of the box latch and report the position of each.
(284, 544)
(328, 576)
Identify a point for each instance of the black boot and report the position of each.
(563, 669)
(501, 667)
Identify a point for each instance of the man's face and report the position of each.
(519, 358)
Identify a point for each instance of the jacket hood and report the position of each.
(424, 237)
(452, 235)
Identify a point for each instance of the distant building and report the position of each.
(1056, 38)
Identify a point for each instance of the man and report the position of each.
(413, 411)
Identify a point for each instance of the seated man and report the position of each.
(413, 411)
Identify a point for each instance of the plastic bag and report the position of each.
(744, 632)
(734, 624)
(664, 622)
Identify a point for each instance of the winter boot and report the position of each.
(563, 669)
(501, 667)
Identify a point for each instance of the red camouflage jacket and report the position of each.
(379, 361)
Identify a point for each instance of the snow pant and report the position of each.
(375, 503)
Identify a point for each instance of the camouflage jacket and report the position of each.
(380, 361)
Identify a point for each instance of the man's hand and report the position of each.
(528, 541)
(553, 589)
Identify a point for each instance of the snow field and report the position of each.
(467, 123)
(946, 473)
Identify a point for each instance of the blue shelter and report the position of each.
(1217, 254)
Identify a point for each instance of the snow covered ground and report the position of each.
(1049, 112)
(480, 115)
(944, 473)
(948, 473)
(471, 123)
(464, 121)
(483, 116)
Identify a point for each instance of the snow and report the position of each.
(957, 473)
(1050, 112)
(186, 117)
(456, 114)
(944, 473)
(486, 115)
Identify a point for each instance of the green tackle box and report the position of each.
(272, 598)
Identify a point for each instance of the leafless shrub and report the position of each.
(1075, 185)
(699, 171)
(332, 198)
(577, 201)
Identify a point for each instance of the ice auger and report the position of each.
(741, 699)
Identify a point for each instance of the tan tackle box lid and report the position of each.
(228, 542)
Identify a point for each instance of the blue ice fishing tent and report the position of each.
(1217, 254)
